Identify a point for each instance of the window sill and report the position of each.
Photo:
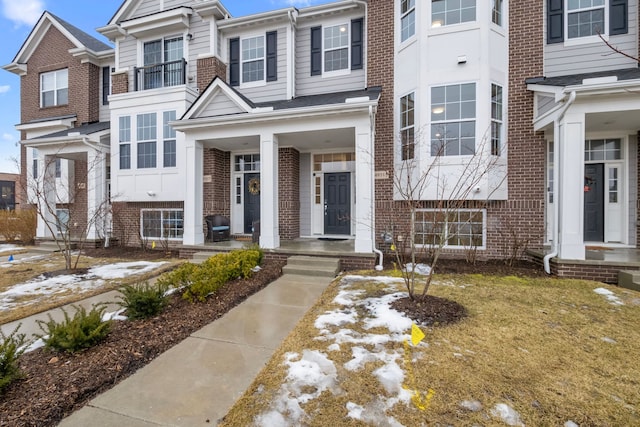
(407, 43)
(454, 28)
(337, 73)
(249, 85)
(579, 41)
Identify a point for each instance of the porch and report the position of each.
(328, 248)
(602, 263)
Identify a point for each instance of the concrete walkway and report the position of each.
(196, 382)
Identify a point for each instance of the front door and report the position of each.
(251, 200)
(594, 202)
(337, 203)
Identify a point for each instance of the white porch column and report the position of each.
(194, 193)
(95, 194)
(570, 171)
(269, 209)
(44, 190)
(365, 167)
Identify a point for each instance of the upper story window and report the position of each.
(496, 12)
(496, 119)
(253, 59)
(163, 64)
(584, 20)
(407, 19)
(169, 135)
(453, 124)
(58, 167)
(147, 140)
(407, 126)
(54, 88)
(124, 136)
(450, 12)
(106, 85)
(337, 48)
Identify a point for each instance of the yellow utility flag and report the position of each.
(153, 244)
(416, 335)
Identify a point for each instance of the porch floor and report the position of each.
(600, 255)
(300, 246)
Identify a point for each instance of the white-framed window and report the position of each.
(58, 167)
(124, 137)
(253, 59)
(602, 149)
(169, 137)
(147, 140)
(62, 221)
(496, 12)
(54, 88)
(407, 126)
(407, 19)
(586, 18)
(162, 223)
(453, 124)
(336, 47)
(464, 228)
(450, 12)
(496, 119)
(163, 64)
(247, 163)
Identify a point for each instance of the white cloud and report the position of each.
(4, 89)
(8, 137)
(22, 12)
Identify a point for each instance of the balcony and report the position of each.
(160, 75)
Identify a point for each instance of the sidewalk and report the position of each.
(196, 382)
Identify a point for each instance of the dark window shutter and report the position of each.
(234, 62)
(272, 56)
(357, 44)
(316, 51)
(106, 85)
(555, 21)
(618, 17)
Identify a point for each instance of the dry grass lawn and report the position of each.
(553, 350)
(30, 269)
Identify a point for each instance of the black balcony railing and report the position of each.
(155, 76)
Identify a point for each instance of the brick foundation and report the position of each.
(126, 222)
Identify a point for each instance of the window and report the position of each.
(407, 126)
(147, 139)
(462, 228)
(58, 168)
(613, 185)
(248, 163)
(449, 12)
(253, 59)
(169, 135)
(34, 163)
(453, 125)
(407, 19)
(124, 134)
(162, 224)
(336, 48)
(496, 12)
(54, 88)
(602, 149)
(496, 119)
(106, 85)
(585, 18)
(7, 195)
(163, 63)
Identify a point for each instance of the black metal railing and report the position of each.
(155, 76)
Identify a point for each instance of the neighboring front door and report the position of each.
(251, 201)
(594, 202)
(337, 203)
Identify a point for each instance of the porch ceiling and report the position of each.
(331, 139)
(613, 121)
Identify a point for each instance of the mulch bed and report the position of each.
(56, 384)
(430, 310)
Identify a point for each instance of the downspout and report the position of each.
(556, 184)
(292, 45)
(372, 121)
(103, 181)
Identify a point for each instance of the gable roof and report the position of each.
(207, 96)
(577, 79)
(85, 45)
(86, 129)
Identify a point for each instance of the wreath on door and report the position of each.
(254, 186)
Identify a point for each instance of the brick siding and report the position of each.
(289, 193)
(126, 221)
(208, 69)
(53, 54)
(119, 83)
(217, 164)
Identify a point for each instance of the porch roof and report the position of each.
(577, 79)
(86, 129)
(371, 93)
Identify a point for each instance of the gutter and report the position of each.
(556, 184)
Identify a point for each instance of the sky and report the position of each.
(17, 18)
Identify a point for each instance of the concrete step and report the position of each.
(629, 279)
(312, 266)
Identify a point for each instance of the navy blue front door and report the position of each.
(337, 203)
(594, 203)
(251, 200)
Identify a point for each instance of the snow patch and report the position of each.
(335, 318)
(610, 296)
(609, 340)
(570, 424)
(471, 405)
(9, 248)
(423, 269)
(507, 414)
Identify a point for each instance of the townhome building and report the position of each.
(314, 123)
